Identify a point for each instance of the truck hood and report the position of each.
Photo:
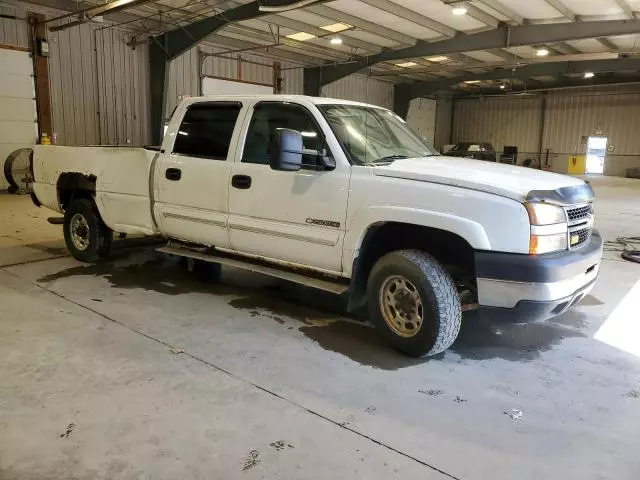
(499, 179)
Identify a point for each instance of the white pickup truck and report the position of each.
(341, 196)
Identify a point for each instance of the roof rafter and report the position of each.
(503, 37)
(528, 71)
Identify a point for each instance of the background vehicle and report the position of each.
(477, 150)
(340, 196)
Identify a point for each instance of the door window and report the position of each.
(206, 130)
(267, 117)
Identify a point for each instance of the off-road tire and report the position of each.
(100, 236)
(442, 311)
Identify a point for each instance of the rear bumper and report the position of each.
(525, 288)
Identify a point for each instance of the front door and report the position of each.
(294, 217)
(192, 180)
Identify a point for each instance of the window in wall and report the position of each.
(206, 130)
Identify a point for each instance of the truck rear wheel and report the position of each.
(413, 302)
(88, 239)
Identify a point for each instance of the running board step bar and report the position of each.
(325, 284)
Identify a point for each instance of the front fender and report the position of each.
(471, 231)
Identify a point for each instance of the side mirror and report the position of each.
(286, 150)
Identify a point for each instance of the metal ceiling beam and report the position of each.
(608, 44)
(97, 10)
(358, 22)
(504, 10)
(626, 8)
(503, 37)
(412, 16)
(562, 9)
(559, 85)
(536, 70)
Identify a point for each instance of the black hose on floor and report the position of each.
(628, 246)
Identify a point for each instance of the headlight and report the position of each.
(548, 228)
(545, 214)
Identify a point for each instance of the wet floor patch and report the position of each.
(361, 343)
(147, 270)
(481, 339)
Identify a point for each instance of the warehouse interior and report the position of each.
(131, 369)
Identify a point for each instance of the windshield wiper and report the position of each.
(389, 159)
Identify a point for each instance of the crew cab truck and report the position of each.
(341, 196)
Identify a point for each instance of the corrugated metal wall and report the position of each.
(571, 116)
(612, 112)
(501, 121)
(183, 78)
(361, 88)
(99, 87)
(14, 33)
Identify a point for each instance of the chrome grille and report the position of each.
(575, 214)
(580, 220)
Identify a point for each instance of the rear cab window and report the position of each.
(206, 130)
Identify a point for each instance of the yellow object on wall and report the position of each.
(577, 165)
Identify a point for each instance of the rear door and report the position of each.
(191, 183)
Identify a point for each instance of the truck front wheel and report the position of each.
(414, 303)
(88, 239)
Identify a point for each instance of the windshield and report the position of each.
(373, 135)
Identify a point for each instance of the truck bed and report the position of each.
(122, 176)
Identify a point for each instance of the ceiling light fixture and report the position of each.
(461, 10)
(437, 58)
(472, 82)
(406, 64)
(336, 41)
(542, 52)
(503, 86)
(301, 36)
(336, 27)
(589, 74)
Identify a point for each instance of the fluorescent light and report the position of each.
(459, 10)
(439, 58)
(589, 74)
(336, 27)
(542, 52)
(301, 36)
(406, 64)
(472, 82)
(336, 41)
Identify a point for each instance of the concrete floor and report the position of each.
(132, 370)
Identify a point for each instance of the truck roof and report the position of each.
(315, 100)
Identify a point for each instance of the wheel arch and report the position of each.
(74, 185)
(379, 238)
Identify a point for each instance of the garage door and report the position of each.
(18, 115)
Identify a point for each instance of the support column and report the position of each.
(38, 32)
(158, 76)
(401, 99)
(312, 81)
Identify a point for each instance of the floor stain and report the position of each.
(572, 318)
(147, 270)
(361, 343)
(481, 339)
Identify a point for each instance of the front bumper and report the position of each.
(526, 288)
